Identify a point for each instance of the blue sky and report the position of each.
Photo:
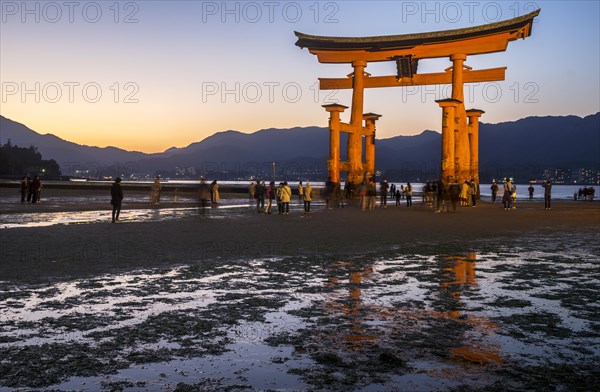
(148, 75)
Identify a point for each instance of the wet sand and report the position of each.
(228, 299)
(63, 252)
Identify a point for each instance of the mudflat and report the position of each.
(78, 250)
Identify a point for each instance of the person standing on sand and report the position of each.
(307, 197)
(454, 190)
(251, 190)
(116, 198)
(29, 189)
(371, 194)
(494, 189)
(300, 191)
(328, 192)
(362, 193)
(383, 192)
(464, 193)
(409, 192)
(37, 189)
(513, 194)
(214, 192)
(338, 195)
(155, 191)
(24, 188)
(270, 196)
(530, 190)
(473, 186)
(507, 197)
(259, 194)
(286, 196)
(442, 192)
(204, 193)
(547, 194)
(278, 198)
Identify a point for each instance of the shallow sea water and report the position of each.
(524, 316)
(44, 219)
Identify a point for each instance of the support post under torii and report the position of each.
(473, 127)
(333, 163)
(448, 172)
(369, 166)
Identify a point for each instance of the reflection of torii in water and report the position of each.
(355, 310)
(462, 274)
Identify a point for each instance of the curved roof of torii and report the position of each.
(470, 38)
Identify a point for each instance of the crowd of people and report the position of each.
(439, 195)
(586, 193)
(281, 195)
(31, 189)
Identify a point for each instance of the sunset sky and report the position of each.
(148, 75)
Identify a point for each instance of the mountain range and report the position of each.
(524, 146)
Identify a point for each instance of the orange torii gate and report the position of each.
(460, 151)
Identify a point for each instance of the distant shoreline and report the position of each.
(229, 186)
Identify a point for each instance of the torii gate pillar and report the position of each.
(370, 119)
(449, 131)
(473, 127)
(333, 164)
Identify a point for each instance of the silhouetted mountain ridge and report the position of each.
(553, 141)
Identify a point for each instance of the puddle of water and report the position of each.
(418, 321)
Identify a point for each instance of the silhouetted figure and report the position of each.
(278, 198)
(362, 193)
(547, 194)
(454, 190)
(530, 190)
(328, 192)
(155, 191)
(300, 191)
(259, 194)
(204, 193)
(371, 194)
(409, 191)
(442, 194)
(338, 195)
(251, 190)
(270, 196)
(383, 192)
(116, 199)
(37, 189)
(29, 189)
(349, 188)
(473, 187)
(428, 194)
(24, 188)
(494, 189)
(507, 196)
